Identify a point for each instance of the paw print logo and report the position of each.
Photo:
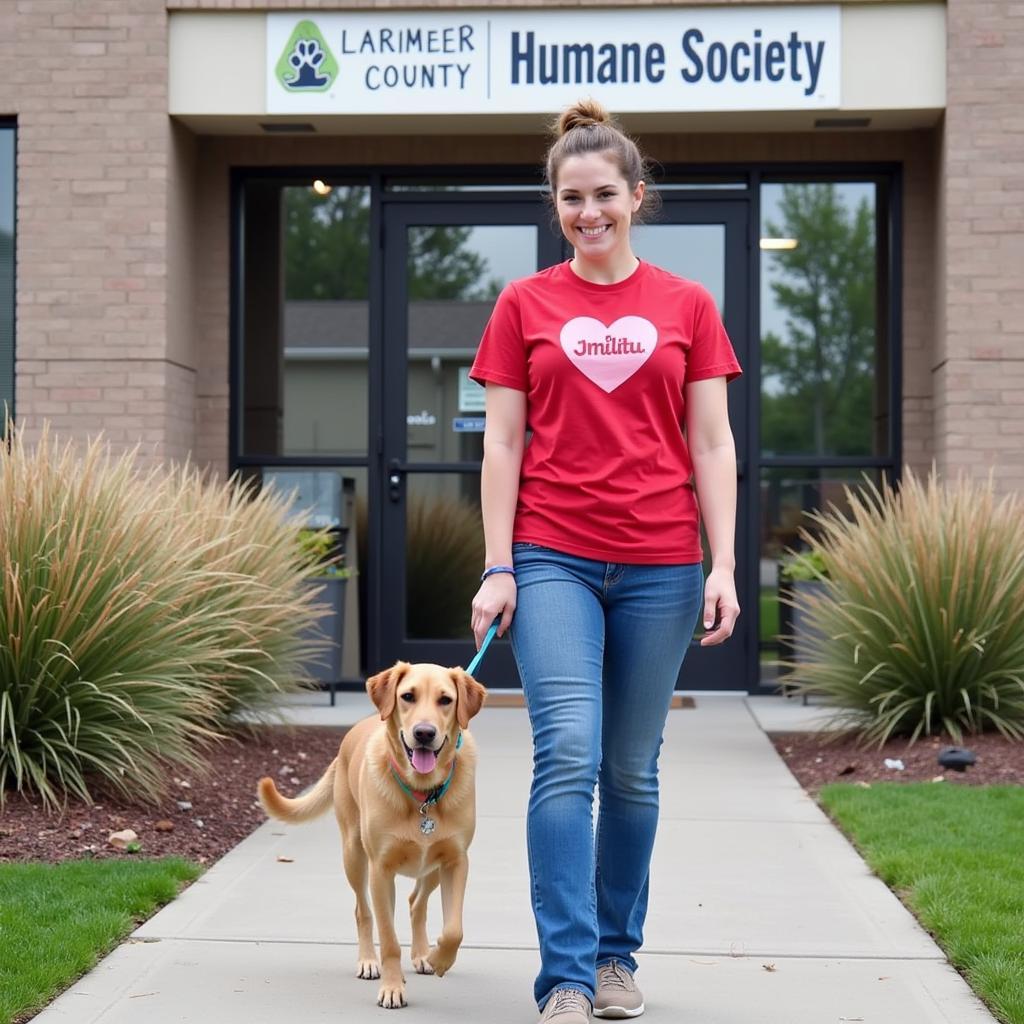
(306, 64)
(305, 58)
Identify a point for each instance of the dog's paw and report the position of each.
(391, 997)
(441, 960)
(422, 965)
(368, 969)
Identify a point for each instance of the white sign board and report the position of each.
(535, 61)
(472, 396)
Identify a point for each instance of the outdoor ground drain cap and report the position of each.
(957, 758)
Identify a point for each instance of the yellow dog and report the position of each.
(403, 791)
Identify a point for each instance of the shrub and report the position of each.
(137, 612)
(804, 566)
(918, 629)
(444, 552)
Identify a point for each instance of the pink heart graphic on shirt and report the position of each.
(610, 355)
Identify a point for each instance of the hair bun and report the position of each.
(583, 114)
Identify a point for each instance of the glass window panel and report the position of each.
(444, 549)
(334, 498)
(306, 319)
(447, 185)
(694, 251)
(7, 172)
(700, 184)
(824, 348)
(786, 496)
(455, 274)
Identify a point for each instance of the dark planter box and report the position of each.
(794, 629)
(325, 664)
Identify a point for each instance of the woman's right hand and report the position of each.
(496, 596)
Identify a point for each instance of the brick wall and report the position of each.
(87, 80)
(979, 370)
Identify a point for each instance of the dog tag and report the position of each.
(427, 825)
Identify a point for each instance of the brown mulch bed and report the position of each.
(224, 808)
(223, 802)
(816, 760)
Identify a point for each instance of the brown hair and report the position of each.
(586, 127)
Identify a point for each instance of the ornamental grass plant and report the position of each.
(919, 627)
(443, 552)
(138, 611)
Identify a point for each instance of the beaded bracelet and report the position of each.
(496, 569)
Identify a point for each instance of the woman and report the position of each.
(593, 544)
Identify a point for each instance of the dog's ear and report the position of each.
(382, 687)
(471, 696)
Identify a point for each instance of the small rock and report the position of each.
(302, 755)
(184, 783)
(184, 805)
(957, 758)
(894, 764)
(164, 825)
(199, 823)
(286, 769)
(123, 839)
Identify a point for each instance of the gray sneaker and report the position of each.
(617, 995)
(566, 1006)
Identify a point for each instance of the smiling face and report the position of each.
(425, 707)
(595, 207)
(426, 717)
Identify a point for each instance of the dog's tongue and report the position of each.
(424, 761)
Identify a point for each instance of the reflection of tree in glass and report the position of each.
(441, 267)
(819, 378)
(327, 246)
(327, 252)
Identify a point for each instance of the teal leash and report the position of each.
(483, 647)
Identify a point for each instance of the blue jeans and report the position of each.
(599, 646)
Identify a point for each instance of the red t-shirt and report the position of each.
(607, 474)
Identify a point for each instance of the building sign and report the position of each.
(468, 424)
(518, 61)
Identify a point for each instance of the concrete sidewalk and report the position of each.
(759, 910)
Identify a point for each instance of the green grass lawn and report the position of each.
(769, 608)
(956, 856)
(57, 920)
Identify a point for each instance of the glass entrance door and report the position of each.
(445, 264)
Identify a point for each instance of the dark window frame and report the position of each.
(9, 359)
(891, 232)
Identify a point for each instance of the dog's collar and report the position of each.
(426, 798)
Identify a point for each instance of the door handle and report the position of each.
(395, 476)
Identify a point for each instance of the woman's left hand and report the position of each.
(721, 607)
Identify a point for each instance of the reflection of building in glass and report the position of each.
(326, 355)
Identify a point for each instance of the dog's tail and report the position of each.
(303, 808)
